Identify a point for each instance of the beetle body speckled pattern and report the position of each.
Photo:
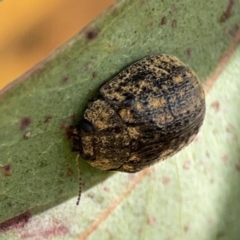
(144, 115)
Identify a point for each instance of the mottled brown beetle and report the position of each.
(145, 114)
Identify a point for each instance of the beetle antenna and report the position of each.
(79, 180)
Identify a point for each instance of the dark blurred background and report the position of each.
(31, 30)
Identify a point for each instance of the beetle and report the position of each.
(147, 113)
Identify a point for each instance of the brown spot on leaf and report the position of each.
(94, 74)
(174, 23)
(90, 195)
(225, 16)
(238, 166)
(151, 220)
(165, 180)
(186, 228)
(69, 172)
(64, 80)
(46, 233)
(91, 35)
(225, 158)
(150, 24)
(106, 189)
(16, 222)
(164, 20)
(187, 165)
(66, 126)
(235, 138)
(24, 123)
(47, 119)
(6, 170)
(210, 221)
(216, 106)
(229, 128)
(212, 180)
(69, 132)
(189, 52)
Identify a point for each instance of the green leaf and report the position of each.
(176, 198)
(194, 195)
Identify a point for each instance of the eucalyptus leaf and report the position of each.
(37, 167)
